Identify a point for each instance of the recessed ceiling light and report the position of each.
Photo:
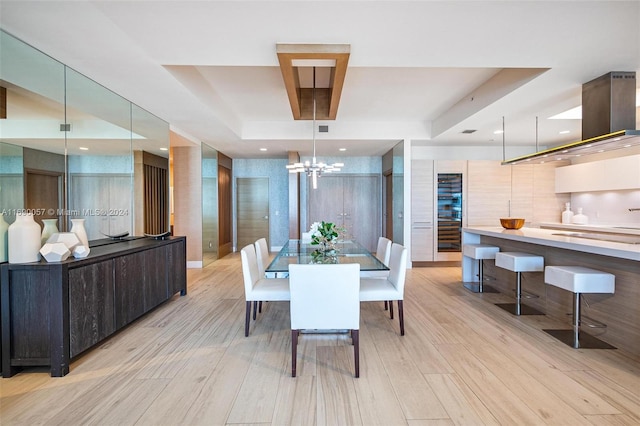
(83, 148)
(164, 149)
(498, 132)
(342, 149)
(601, 150)
(564, 132)
(627, 146)
(565, 151)
(263, 149)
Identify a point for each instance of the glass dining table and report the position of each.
(348, 251)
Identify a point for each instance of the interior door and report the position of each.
(43, 193)
(325, 202)
(362, 209)
(252, 195)
(352, 201)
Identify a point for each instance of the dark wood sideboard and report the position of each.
(51, 312)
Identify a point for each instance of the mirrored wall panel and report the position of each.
(209, 204)
(68, 145)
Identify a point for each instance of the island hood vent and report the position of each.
(608, 107)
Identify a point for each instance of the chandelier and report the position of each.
(313, 168)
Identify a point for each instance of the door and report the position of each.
(43, 194)
(350, 201)
(252, 195)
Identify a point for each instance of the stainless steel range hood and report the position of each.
(608, 107)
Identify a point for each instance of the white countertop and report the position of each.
(546, 237)
(631, 229)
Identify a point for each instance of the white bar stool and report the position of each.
(480, 252)
(519, 263)
(578, 279)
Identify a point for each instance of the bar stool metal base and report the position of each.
(524, 309)
(476, 288)
(585, 341)
(480, 287)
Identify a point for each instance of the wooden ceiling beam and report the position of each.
(339, 53)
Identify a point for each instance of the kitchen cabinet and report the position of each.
(422, 227)
(489, 192)
(622, 173)
(525, 191)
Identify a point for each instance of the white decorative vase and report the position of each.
(24, 239)
(4, 250)
(580, 219)
(50, 228)
(567, 214)
(77, 227)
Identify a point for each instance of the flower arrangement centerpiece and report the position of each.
(325, 235)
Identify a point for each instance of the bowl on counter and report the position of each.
(511, 223)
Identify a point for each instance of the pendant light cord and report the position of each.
(314, 115)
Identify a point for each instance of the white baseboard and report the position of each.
(194, 264)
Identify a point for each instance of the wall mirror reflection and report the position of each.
(71, 148)
(209, 204)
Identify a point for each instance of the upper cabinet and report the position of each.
(612, 174)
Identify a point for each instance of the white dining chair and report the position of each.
(306, 237)
(383, 252)
(325, 297)
(391, 288)
(262, 255)
(256, 287)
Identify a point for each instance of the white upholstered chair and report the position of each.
(325, 297)
(256, 287)
(383, 252)
(391, 288)
(262, 254)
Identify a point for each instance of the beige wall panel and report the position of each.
(488, 192)
(187, 195)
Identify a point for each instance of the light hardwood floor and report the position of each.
(462, 361)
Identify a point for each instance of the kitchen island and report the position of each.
(620, 311)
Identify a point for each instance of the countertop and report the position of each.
(631, 229)
(548, 237)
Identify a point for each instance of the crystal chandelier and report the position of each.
(314, 169)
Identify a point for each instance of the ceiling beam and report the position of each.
(329, 99)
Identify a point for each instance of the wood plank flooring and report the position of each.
(463, 361)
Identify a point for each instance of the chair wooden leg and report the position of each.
(255, 308)
(355, 336)
(260, 307)
(401, 317)
(246, 320)
(294, 351)
(391, 309)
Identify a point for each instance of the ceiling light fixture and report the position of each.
(314, 169)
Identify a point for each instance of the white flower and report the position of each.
(314, 229)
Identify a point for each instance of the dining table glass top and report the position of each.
(348, 251)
